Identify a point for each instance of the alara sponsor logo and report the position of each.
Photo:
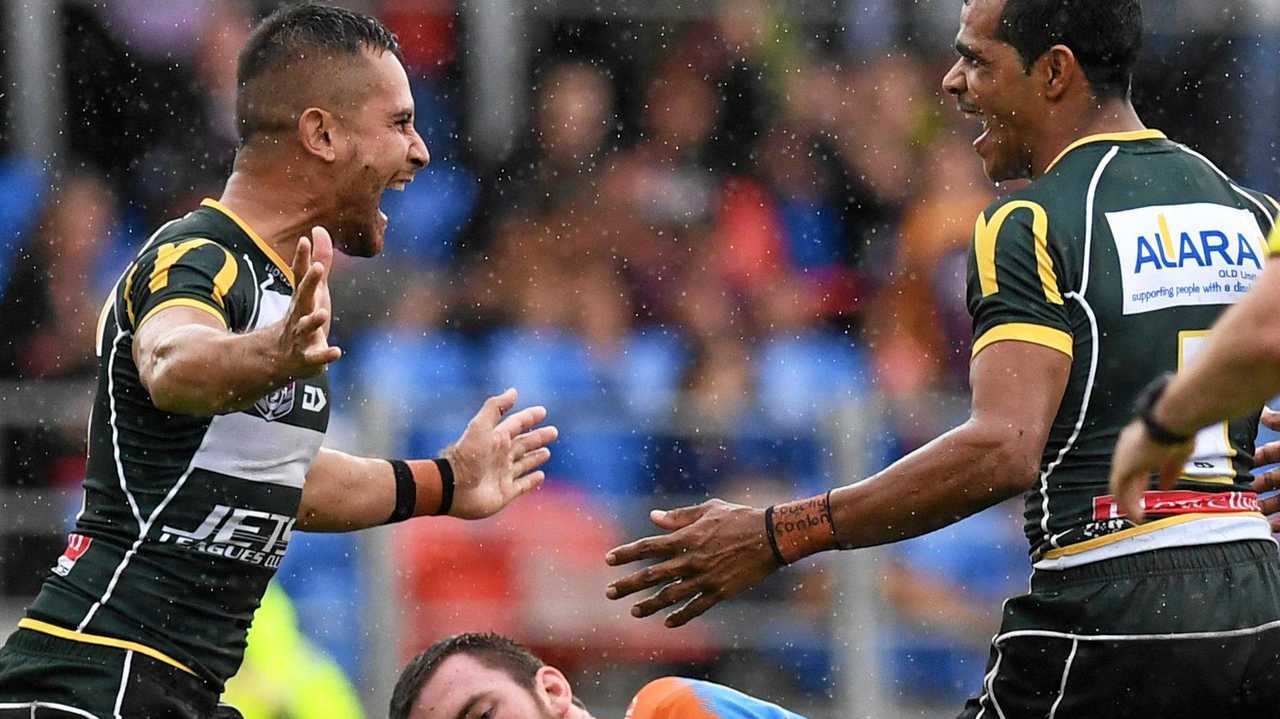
(1180, 255)
(1202, 248)
(247, 535)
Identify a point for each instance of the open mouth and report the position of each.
(984, 124)
(398, 184)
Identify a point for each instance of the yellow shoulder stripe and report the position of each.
(169, 254)
(128, 292)
(267, 250)
(1273, 243)
(986, 233)
(1025, 332)
(36, 625)
(182, 302)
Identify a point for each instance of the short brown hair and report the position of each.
(492, 650)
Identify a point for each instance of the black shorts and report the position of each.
(45, 676)
(1180, 632)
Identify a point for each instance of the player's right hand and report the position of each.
(1269, 454)
(496, 460)
(303, 340)
(1136, 457)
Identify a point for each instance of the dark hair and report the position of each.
(492, 650)
(1105, 35)
(291, 32)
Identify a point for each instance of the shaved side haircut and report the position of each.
(278, 73)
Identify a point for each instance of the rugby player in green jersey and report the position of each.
(205, 438)
(1101, 274)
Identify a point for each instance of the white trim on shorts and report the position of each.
(33, 706)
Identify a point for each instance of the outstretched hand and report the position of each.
(303, 342)
(496, 460)
(714, 551)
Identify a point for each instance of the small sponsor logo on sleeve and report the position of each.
(277, 404)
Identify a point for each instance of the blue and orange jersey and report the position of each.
(678, 698)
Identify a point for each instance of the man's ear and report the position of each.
(554, 689)
(316, 130)
(1059, 69)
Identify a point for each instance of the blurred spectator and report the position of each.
(560, 161)
(54, 291)
(945, 587)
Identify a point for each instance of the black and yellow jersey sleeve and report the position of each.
(1273, 242)
(196, 272)
(1013, 287)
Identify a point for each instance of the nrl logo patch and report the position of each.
(277, 404)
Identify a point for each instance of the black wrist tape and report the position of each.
(406, 491)
(446, 484)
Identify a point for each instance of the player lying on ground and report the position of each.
(205, 440)
(486, 676)
(1238, 369)
(1073, 289)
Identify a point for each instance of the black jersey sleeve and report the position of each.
(1013, 287)
(196, 273)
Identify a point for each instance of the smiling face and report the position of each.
(990, 83)
(464, 688)
(383, 150)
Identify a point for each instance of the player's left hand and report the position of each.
(713, 552)
(1136, 458)
(496, 460)
(1269, 454)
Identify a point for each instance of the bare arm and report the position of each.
(716, 550)
(995, 455)
(191, 364)
(495, 461)
(344, 493)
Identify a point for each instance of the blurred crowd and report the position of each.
(718, 229)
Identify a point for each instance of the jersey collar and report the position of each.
(1131, 136)
(257, 240)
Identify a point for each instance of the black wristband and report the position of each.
(831, 520)
(773, 539)
(1145, 406)
(446, 485)
(406, 491)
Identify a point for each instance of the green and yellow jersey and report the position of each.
(1121, 256)
(185, 518)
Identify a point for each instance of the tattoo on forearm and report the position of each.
(803, 527)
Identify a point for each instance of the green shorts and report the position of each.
(1179, 632)
(45, 676)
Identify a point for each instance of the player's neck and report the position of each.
(1107, 117)
(279, 212)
